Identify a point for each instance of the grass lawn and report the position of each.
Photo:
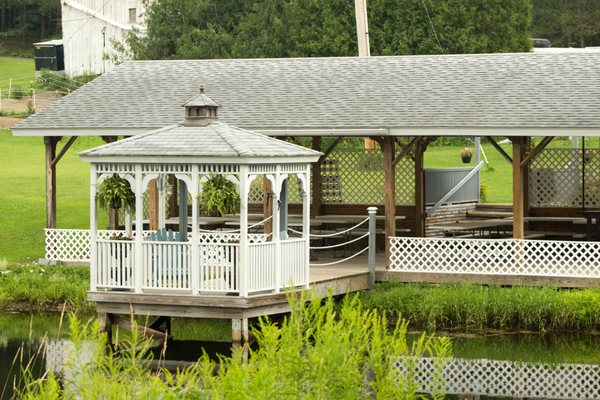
(21, 70)
(22, 194)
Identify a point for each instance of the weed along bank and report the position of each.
(218, 263)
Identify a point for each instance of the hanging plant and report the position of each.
(219, 196)
(115, 193)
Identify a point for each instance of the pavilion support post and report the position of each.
(173, 210)
(183, 210)
(316, 181)
(268, 207)
(105, 322)
(420, 213)
(518, 144)
(387, 146)
(50, 143)
(153, 205)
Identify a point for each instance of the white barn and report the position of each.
(89, 29)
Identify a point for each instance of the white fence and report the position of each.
(71, 245)
(496, 257)
(116, 262)
(512, 378)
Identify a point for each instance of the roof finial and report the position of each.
(201, 89)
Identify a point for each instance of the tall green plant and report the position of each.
(219, 196)
(320, 351)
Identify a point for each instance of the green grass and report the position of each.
(468, 306)
(22, 194)
(21, 70)
(45, 288)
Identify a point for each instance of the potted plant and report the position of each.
(219, 196)
(115, 193)
(466, 154)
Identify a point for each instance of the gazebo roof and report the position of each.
(214, 142)
(519, 94)
(201, 100)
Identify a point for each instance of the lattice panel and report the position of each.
(511, 378)
(361, 180)
(556, 177)
(496, 257)
(294, 189)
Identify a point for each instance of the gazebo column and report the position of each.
(317, 180)
(420, 213)
(195, 250)
(518, 145)
(387, 146)
(50, 143)
(306, 222)
(93, 228)
(139, 228)
(243, 259)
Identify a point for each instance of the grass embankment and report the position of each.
(44, 288)
(469, 306)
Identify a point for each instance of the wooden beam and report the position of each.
(62, 151)
(268, 207)
(499, 149)
(126, 324)
(405, 150)
(330, 149)
(173, 207)
(316, 180)
(50, 147)
(153, 205)
(420, 213)
(536, 151)
(518, 228)
(389, 194)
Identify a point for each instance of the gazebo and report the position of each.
(253, 259)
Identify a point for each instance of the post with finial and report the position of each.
(372, 234)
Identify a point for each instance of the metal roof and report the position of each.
(214, 141)
(501, 94)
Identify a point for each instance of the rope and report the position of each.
(340, 244)
(341, 261)
(331, 234)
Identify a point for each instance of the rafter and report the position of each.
(499, 149)
(534, 153)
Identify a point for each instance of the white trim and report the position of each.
(328, 131)
(201, 160)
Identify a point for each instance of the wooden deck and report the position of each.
(350, 276)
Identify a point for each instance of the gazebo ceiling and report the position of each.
(485, 94)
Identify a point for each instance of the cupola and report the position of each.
(201, 110)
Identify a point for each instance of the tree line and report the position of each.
(29, 20)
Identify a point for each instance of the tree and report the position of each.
(312, 28)
(567, 23)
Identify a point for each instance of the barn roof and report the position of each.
(493, 94)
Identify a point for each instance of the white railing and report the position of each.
(219, 267)
(261, 267)
(511, 378)
(496, 257)
(293, 263)
(166, 265)
(115, 261)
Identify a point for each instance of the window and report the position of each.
(132, 16)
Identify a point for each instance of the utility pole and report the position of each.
(362, 34)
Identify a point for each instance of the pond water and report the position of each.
(478, 357)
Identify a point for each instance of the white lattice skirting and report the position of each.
(496, 257)
(71, 245)
(512, 379)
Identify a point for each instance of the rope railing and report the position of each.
(333, 246)
(331, 234)
(342, 260)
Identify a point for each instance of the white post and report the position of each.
(33, 98)
(362, 28)
(93, 229)
(139, 229)
(195, 253)
(372, 247)
(477, 159)
(243, 261)
(277, 227)
(306, 223)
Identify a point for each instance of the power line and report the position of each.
(85, 23)
(432, 26)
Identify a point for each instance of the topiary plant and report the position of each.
(115, 193)
(219, 196)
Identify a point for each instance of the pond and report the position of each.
(484, 363)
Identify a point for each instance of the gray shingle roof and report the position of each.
(217, 139)
(524, 90)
